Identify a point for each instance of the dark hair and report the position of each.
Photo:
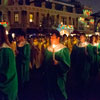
(3, 36)
(64, 35)
(83, 34)
(21, 33)
(91, 38)
(57, 33)
(10, 38)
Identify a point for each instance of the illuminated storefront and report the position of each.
(65, 29)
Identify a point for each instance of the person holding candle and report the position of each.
(55, 67)
(8, 73)
(79, 74)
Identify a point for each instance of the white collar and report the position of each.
(95, 44)
(84, 44)
(4, 45)
(57, 47)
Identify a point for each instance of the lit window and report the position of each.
(31, 18)
(16, 17)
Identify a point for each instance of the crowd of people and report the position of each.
(68, 66)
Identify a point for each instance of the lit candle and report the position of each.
(7, 32)
(13, 35)
(53, 52)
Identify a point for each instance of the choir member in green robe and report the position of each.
(22, 61)
(56, 65)
(8, 73)
(96, 51)
(81, 59)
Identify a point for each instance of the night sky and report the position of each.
(95, 4)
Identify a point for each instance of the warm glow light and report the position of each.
(16, 17)
(88, 26)
(53, 45)
(7, 32)
(97, 33)
(13, 35)
(61, 23)
(90, 35)
(81, 19)
(31, 17)
(62, 32)
(96, 44)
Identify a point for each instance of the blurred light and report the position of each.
(90, 35)
(13, 35)
(88, 26)
(97, 33)
(7, 32)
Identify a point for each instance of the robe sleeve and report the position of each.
(27, 52)
(99, 49)
(62, 68)
(7, 66)
(90, 54)
(64, 61)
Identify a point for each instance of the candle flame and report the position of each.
(7, 32)
(13, 35)
(54, 45)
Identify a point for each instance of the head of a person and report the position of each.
(69, 38)
(64, 37)
(97, 38)
(82, 37)
(93, 39)
(21, 36)
(55, 37)
(74, 38)
(3, 36)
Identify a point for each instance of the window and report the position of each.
(31, 17)
(16, 16)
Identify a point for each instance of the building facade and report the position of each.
(22, 15)
(96, 22)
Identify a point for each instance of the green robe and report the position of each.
(55, 75)
(96, 62)
(81, 59)
(22, 62)
(8, 73)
